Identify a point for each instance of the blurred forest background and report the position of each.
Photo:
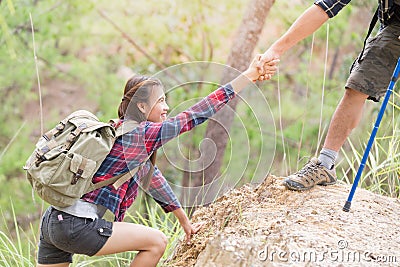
(86, 50)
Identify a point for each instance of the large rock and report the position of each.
(271, 226)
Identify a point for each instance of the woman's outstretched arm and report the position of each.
(157, 134)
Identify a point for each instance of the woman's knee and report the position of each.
(160, 242)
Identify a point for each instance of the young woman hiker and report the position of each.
(81, 229)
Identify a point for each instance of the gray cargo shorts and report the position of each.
(63, 234)
(371, 75)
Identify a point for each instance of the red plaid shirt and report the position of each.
(132, 149)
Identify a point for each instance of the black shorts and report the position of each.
(371, 74)
(63, 234)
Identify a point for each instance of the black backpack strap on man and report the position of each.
(387, 11)
(371, 28)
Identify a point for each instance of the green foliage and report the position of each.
(16, 247)
(14, 153)
(76, 45)
(71, 48)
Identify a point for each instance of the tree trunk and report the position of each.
(239, 58)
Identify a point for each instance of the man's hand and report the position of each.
(266, 63)
(268, 68)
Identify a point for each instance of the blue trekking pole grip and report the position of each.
(389, 91)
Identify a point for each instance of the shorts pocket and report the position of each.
(371, 45)
(82, 226)
(90, 236)
(61, 229)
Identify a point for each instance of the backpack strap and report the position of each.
(73, 135)
(388, 11)
(120, 179)
(371, 28)
(56, 130)
(126, 127)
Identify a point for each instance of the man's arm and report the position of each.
(308, 22)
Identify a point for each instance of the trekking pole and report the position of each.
(389, 91)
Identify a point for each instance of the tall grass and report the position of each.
(381, 173)
(18, 248)
(15, 247)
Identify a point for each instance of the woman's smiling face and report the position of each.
(156, 109)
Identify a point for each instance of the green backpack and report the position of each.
(61, 168)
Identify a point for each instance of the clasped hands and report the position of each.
(263, 66)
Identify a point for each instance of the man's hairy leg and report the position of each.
(346, 117)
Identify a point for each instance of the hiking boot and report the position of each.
(311, 174)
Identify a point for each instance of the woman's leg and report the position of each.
(149, 242)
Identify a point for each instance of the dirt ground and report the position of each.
(268, 225)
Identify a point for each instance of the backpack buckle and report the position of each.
(60, 126)
(77, 175)
(39, 159)
(79, 172)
